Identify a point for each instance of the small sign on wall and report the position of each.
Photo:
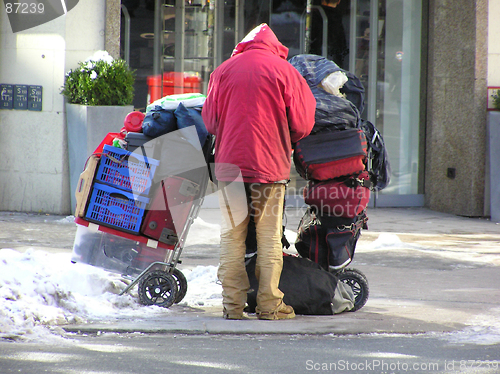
(6, 96)
(21, 97)
(35, 98)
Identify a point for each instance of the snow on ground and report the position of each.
(483, 329)
(41, 291)
(391, 242)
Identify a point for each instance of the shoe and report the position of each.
(228, 315)
(283, 311)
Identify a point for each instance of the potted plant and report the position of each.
(493, 132)
(99, 95)
(496, 99)
(100, 80)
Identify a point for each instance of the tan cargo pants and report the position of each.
(238, 201)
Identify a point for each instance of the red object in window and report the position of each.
(173, 83)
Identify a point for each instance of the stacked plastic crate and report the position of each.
(121, 188)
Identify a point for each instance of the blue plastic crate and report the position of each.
(126, 170)
(116, 208)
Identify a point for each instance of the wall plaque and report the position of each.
(6, 96)
(35, 98)
(20, 96)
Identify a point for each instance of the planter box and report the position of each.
(86, 127)
(494, 157)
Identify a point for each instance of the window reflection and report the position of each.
(377, 40)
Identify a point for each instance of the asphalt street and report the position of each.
(135, 353)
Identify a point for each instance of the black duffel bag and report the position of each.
(309, 289)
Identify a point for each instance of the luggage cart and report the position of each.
(337, 258)
(119, 245)
(352, 277)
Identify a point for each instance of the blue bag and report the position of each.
(158, 121)
(332, 112)
(191, 117)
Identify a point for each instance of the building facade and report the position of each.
(425, 65)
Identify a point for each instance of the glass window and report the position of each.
(398, 104)
(378, 40)
(139, 44)
(330, 24)
(188, 50)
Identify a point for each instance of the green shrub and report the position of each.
(100, 80)
(496, 100)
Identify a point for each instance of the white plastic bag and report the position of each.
(172, 101)
(334, 82)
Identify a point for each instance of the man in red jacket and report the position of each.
(257, 106)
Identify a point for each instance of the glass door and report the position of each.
(397, 107)
(387, 47)
(137, 44)
(386, 54)
(380, 42)
(170, 44)
(286, 20)
(188, 48)
(330, 30)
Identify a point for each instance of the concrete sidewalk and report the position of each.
(434, 272)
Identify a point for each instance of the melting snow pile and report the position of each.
(41, 291)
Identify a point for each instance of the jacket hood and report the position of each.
(261, 37)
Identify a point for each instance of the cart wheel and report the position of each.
(359, 284)
(359, 272)
(182, 285)
(157, 288)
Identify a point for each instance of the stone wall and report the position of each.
(113, 22)
(33, 145)
(456, 102)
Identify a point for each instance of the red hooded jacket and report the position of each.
(257, 105)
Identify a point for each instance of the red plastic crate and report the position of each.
(173, 83)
